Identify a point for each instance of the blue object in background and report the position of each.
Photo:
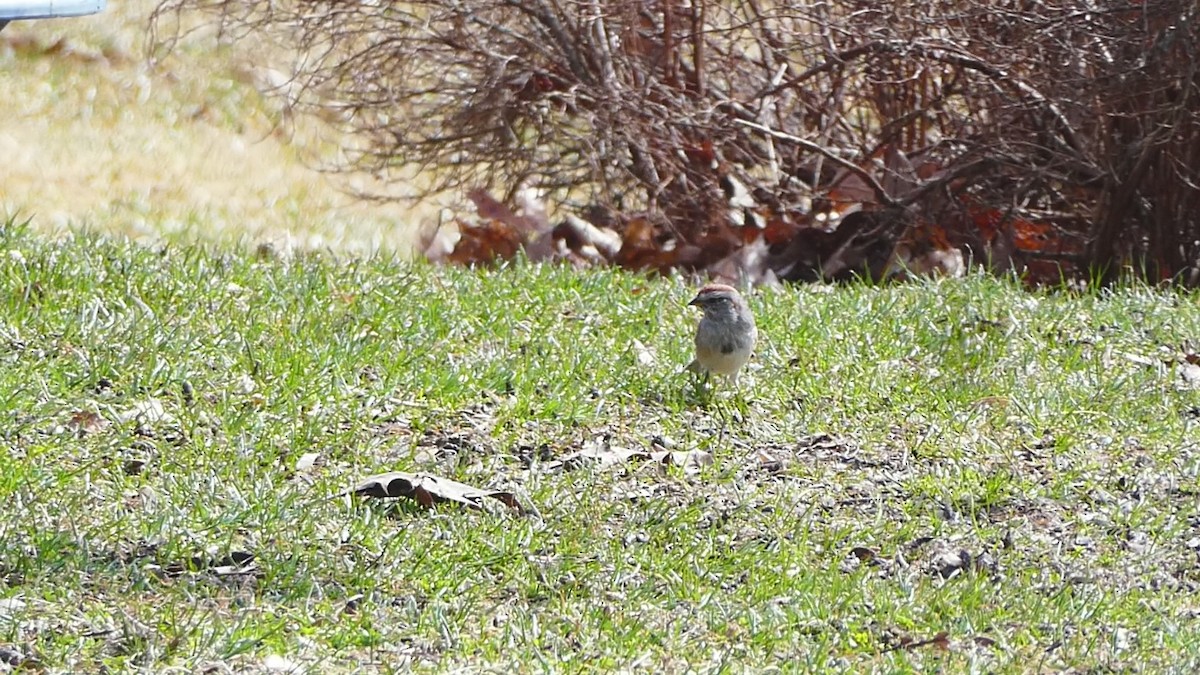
(11, 10)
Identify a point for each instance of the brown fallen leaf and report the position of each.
(87, 422)
(761, 459)
(984, 641)
(428, 490)
(532, 229)
(864, 554)
(596, 244)
(640, 249)
(691, 461)
(308, 461)
(600, 454)
(940, 641)
(234, 563)
(485, 242)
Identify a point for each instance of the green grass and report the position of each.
(1015, 470)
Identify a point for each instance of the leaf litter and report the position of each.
(429, 490)
(603, 455)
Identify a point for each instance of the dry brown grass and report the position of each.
(95, 137)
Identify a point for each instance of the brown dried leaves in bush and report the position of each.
(794, 140)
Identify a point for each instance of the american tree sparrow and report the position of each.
(726, 334)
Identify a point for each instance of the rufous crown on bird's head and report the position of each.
(711, 292)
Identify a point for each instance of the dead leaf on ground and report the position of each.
(940, 641)
(1190, 374)
(605, 456)
(428, 490)
(85, 422)
(645, 356)
(864, 554)
(11, 606)
(951, 563)
(147, 412)
(485, 243)
(602, 456)
(690, 460)
(234, 563)
(11, 656)
(640, 249)
(133, 467)
(594, 243)
(984, 641)
(531, 228)
(307, 461)
(1140, 359)
(766, 461)
(275, 663)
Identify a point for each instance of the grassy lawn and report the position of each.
(950, 476)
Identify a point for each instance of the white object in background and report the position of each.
(11, 10)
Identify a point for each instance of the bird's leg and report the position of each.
(700, 384)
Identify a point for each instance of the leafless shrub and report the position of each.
(838, 137)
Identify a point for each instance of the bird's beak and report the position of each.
(695, 302)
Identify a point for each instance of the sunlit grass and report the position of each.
(1015, 471)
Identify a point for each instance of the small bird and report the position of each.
(726, 334)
